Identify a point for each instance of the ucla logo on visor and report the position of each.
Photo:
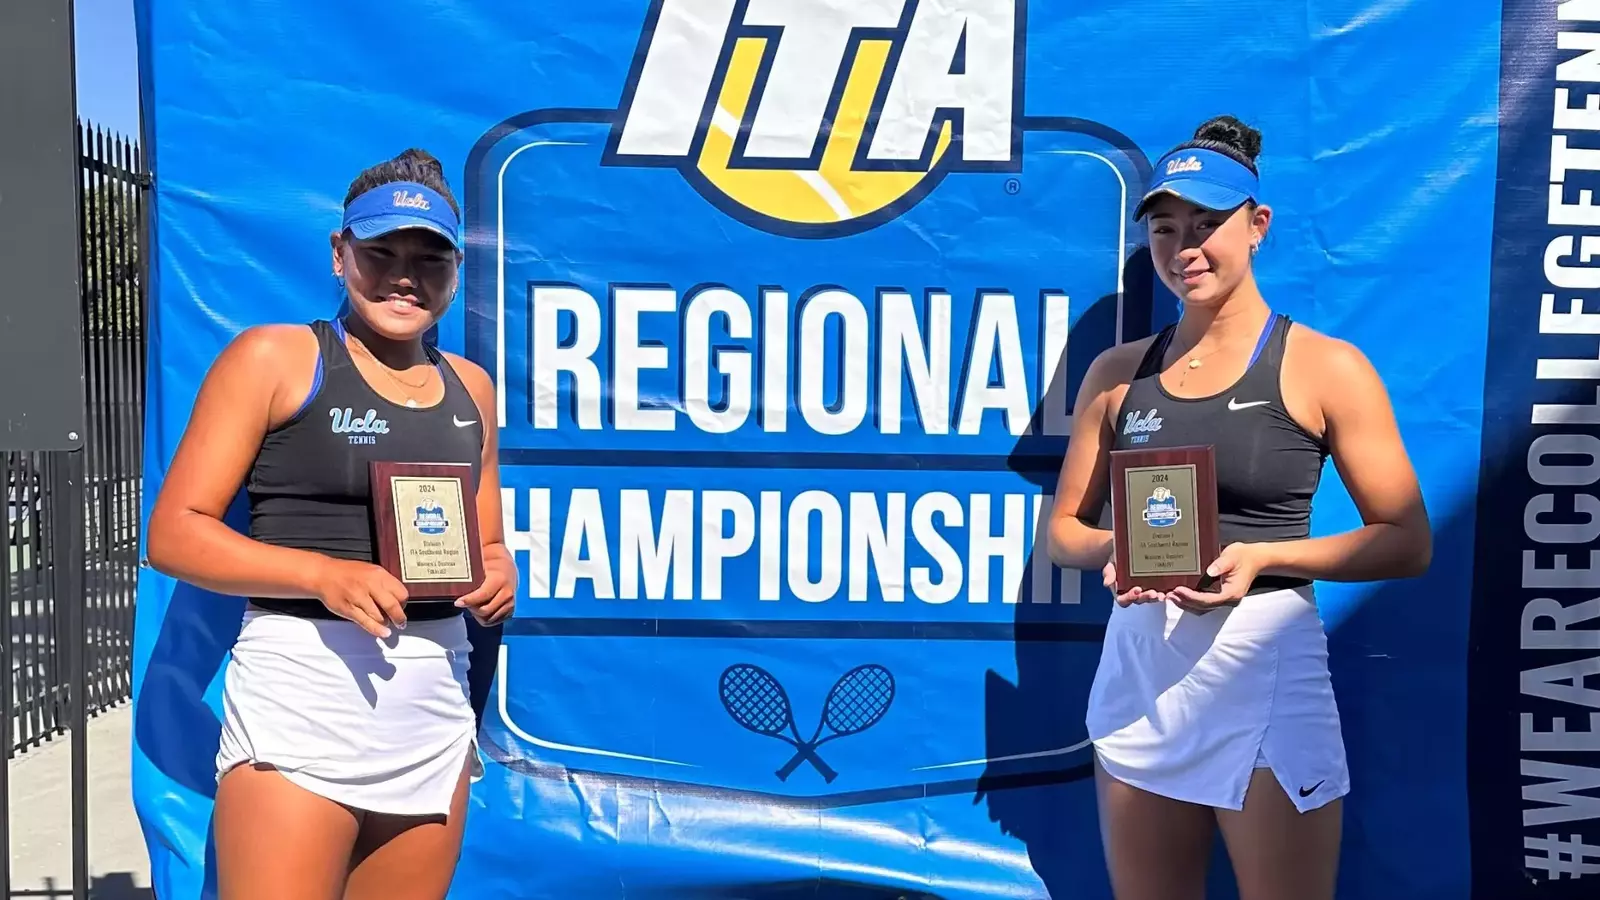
(402, 204)
(1205, 178)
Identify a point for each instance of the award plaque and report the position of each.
(1164, 517)
(426, 519)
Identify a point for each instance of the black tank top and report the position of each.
(1268, 467)
(310, 489)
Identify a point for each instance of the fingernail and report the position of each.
(401, 626)
(460, 604)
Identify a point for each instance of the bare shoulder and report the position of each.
(273, 361)
(279, 361)
(1329, 384)
(263, 374)
(270, 348)
(1108, 377)
(1116, 366)
(474, 376)
(1336, 363)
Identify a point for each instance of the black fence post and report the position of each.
(69, 541)
(66, 584)
(9, 688)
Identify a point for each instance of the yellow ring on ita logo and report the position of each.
(832, 193)
(820, 119)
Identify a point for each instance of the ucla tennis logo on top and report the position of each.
(821, 118)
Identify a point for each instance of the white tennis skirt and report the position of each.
(377, 725)
(1187, 706)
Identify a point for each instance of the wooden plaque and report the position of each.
(426, 523)
(1164, 517)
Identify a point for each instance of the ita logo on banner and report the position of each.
(821, 387)
(842, 123)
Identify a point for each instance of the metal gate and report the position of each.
(70, 556)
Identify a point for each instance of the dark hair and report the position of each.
(1230, 137)
(415, 165)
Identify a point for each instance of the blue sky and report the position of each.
(108, 64)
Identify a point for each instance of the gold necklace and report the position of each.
(1195, 361)
(405, 386)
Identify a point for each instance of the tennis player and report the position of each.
(1213, 710)
(348, 739)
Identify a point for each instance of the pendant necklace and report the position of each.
(1194, 363)
(1196, 359)
(405, 387)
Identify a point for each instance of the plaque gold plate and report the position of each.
(1164, 517)
(426, 525)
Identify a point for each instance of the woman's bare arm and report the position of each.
(1396, 540)
(1076, 540)
(187, 538)
(491, 527)
(496, 597)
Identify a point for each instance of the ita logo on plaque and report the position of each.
(427, 527)
(1164, 515)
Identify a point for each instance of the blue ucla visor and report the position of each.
(1203, 177)
(402, 204)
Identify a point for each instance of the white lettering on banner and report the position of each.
(775, 353)
(832, 384)
(906, 351)
(815, 546)
(1547, 625)
(699, 360)
(1572, 277)
(995, 340)
(771, 548)
(815, 314)
(1561, 519)
(628, 305)
(878, 539)
(719, 539)
(827, 550)
(649, 549)
(679, 75)
(925, 83)
(789, 118)
(923, 585)
(549, 358)
(1570, 805)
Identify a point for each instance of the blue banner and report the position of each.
(1534, 773)
(786, 306)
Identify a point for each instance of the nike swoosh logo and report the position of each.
(1233, 403)
(1306, 792)
(461, 424)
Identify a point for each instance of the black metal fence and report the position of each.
(72, 519)
(69, 557)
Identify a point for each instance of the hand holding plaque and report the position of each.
(427, 527)
(1164, 517)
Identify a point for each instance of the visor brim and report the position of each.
(378, 226)
(1204, 194)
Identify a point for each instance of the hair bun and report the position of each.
(414, 165)
(1232, 132)
(421, 160)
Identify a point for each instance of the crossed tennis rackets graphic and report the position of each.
(857, 701)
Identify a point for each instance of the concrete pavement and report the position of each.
(41, 817)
